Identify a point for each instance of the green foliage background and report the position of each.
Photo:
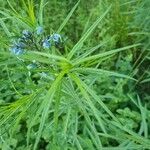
(96, 96)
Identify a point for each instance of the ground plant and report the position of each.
(75, 75)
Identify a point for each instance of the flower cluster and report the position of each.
(34, 40)
(48, 42)
(20, 44)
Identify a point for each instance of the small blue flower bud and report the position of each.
(20, 45)
(39, 30)
(17, 50)
(46, 44)
(56, 37)
(43, 75)
(31, 66)
(26, 34)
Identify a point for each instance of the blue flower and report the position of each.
(39, 30)
(20, 44)
(43, 75)
(31, 66)
(26, 34)
(17, 50)
(56, 37)
(46, 44)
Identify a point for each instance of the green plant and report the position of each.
(73, 98)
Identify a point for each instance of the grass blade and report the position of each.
(101, 71)
(5, 28)
(46, 104)
(41, 12)
(87, 33)
(91, 58)
(67, 18)
(86, 96)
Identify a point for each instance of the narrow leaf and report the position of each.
(86, 35)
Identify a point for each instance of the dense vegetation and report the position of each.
(75, 75)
